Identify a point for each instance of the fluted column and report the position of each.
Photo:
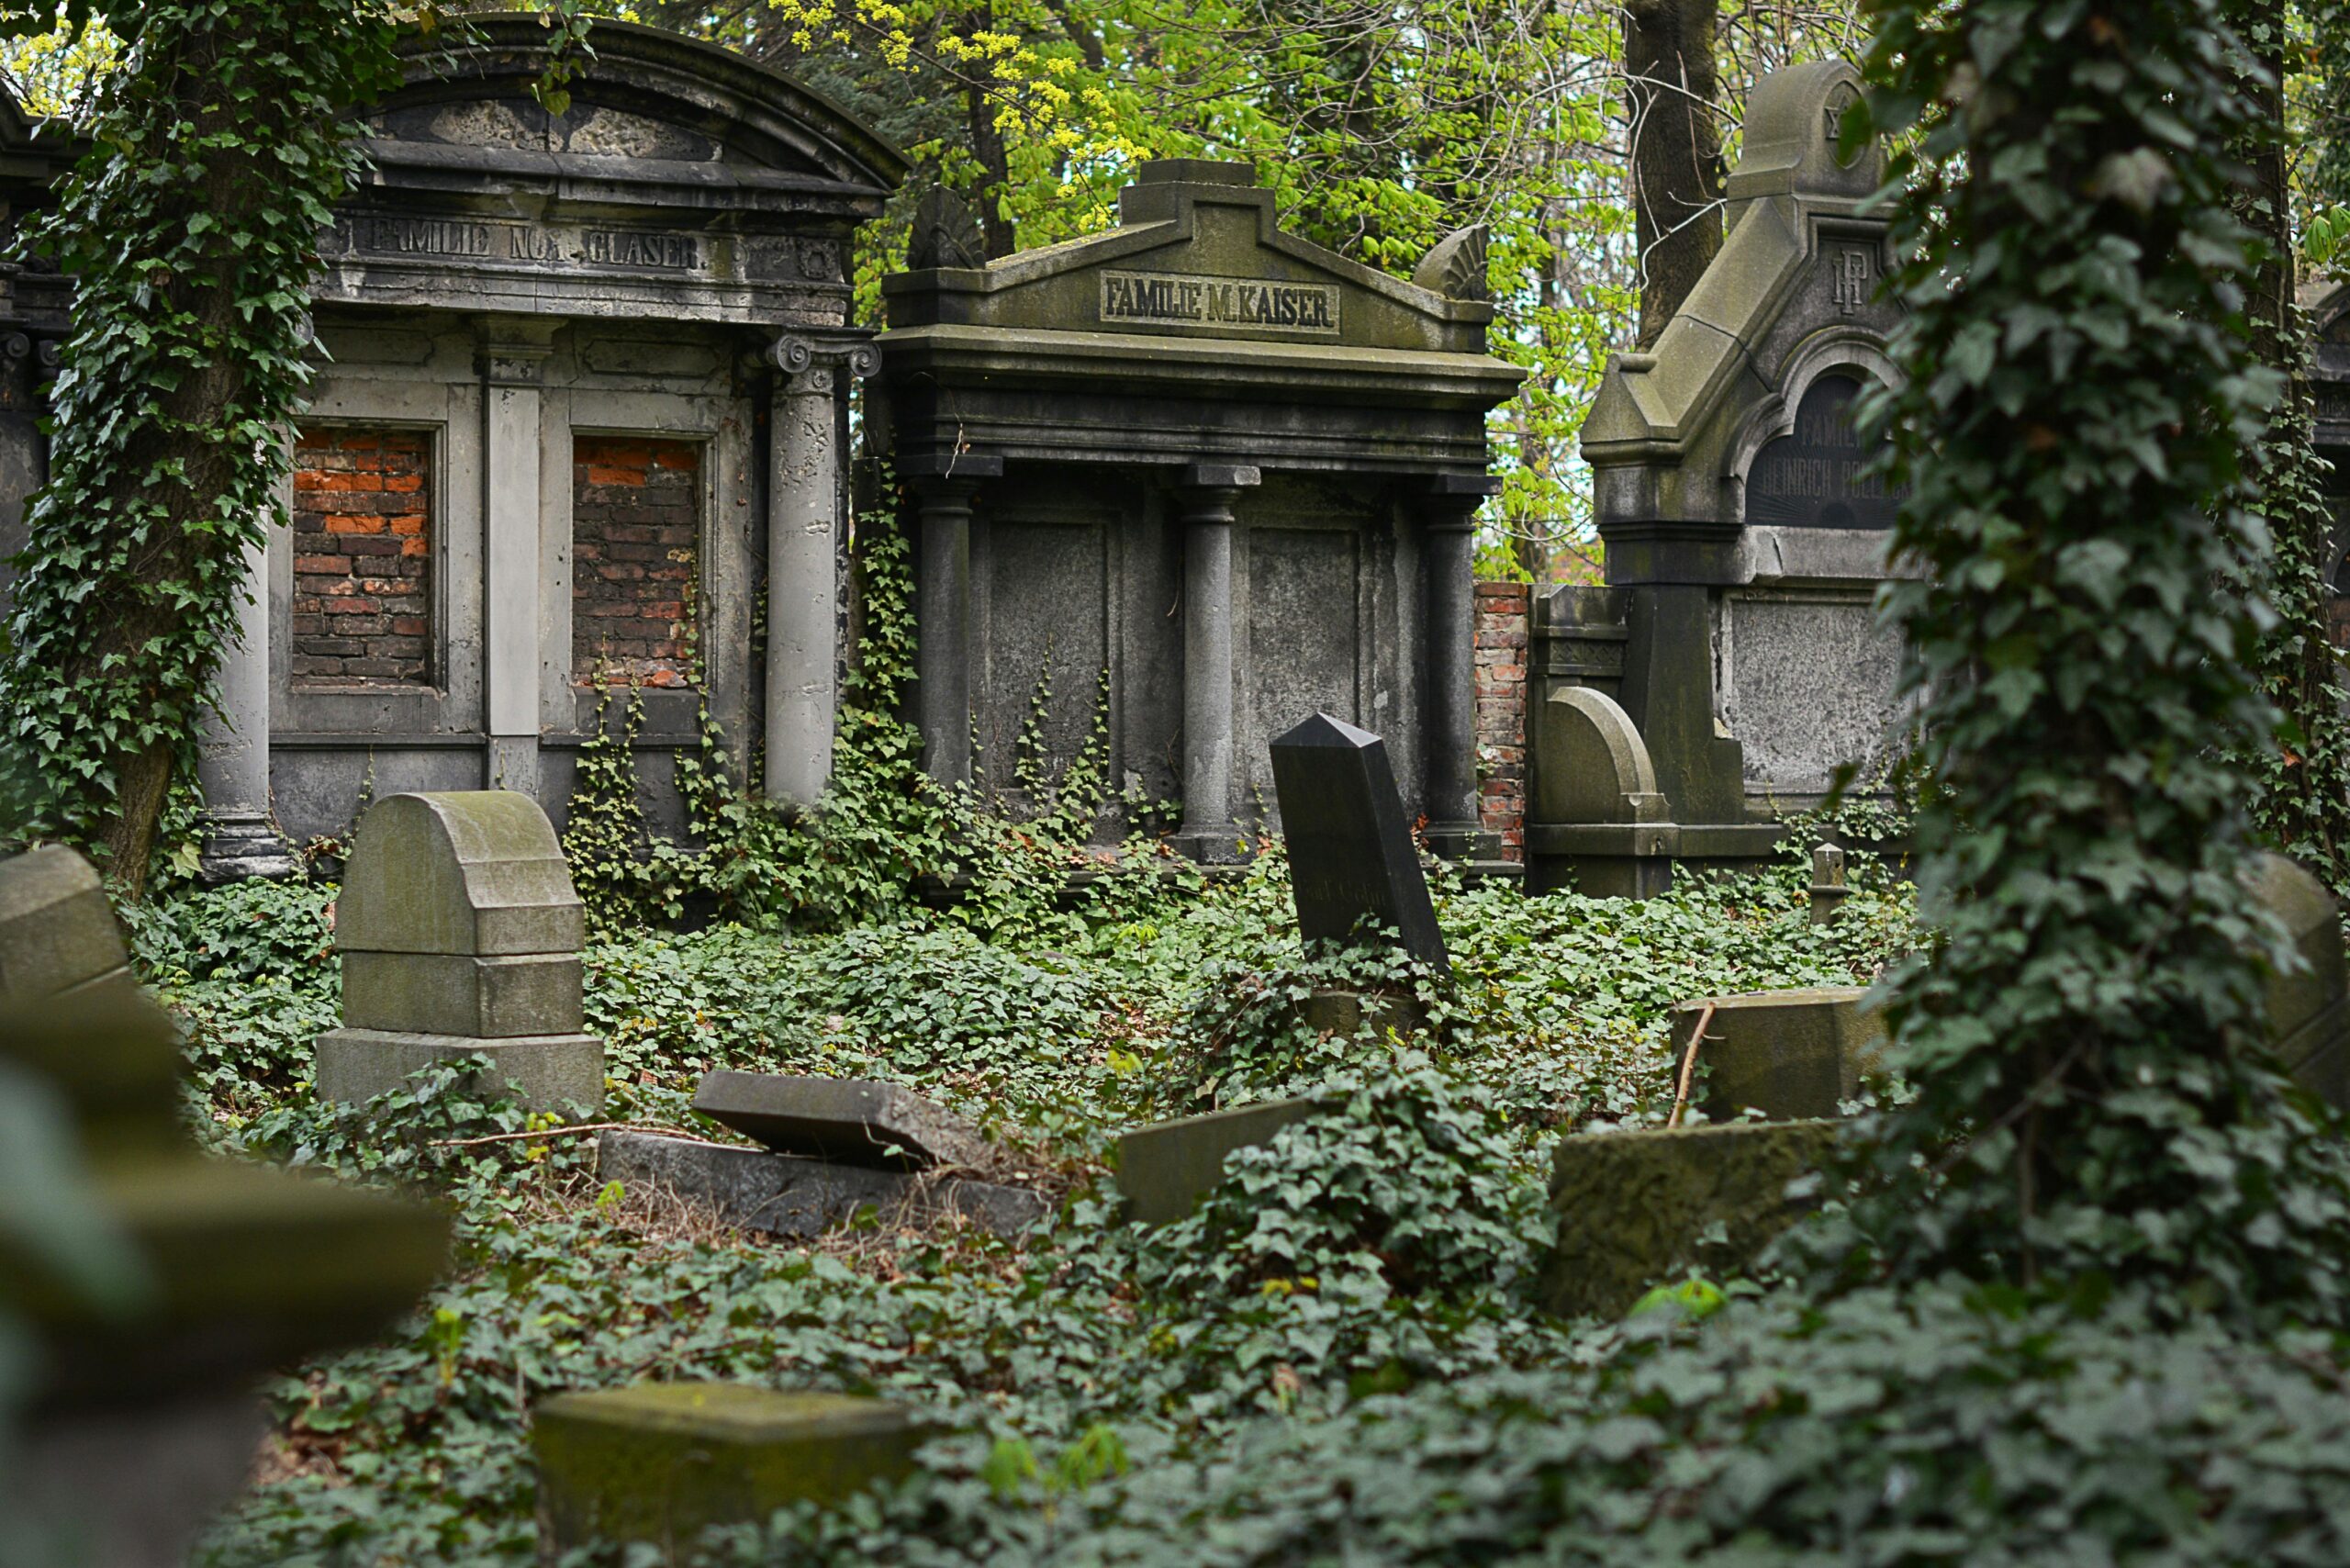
(1208, 493)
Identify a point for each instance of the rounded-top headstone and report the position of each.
(473, 873)
(1594, 765)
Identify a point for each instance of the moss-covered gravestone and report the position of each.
(460, 935)
(660, 1462)
(144, 1415)
(1788, 1054)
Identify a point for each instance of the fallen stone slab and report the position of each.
(1166, 1168)
(660, 1462)
(1634, 1209)
(849, 1121)
(800, 1199)
(1792, 1054)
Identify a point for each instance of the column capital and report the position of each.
(811, 359)
(1449, 502)
(1209, 490)
(512, 351)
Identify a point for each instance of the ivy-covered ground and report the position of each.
(1382, 1251)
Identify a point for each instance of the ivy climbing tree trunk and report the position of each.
(1671, 90)
(2077, 426)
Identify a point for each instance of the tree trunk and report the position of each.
(1671, 89)
(987, 146)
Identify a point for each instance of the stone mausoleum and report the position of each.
(1743, 542)
(1209, 478)
(580, 425)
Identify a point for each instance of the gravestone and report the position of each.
(460, 934)
(799, 1199)
(1166, 1168)
(2308, 1008)
(1598, 823)
(1829, 889)
(1792, 1054)
(144, 1420)
(658, 1463)
(1351, 853)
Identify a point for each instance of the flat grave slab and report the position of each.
(850, 1121)
(799, 1200)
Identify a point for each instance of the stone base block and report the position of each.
(57, 930)
(799, 1199)
(558, 1072)
(660, 1462)
(450, 993)
(241, 845)
(1165, 1169)
(1788, 1054)
(1334, 1010)
(1219, 847)
(1634, 1209)
(130, 1488)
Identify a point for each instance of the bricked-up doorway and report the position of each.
(361, 610)
(635, 530)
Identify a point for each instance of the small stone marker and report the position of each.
(1598, 821)
(1827, 890)
(1350, 855)
(2309, 1011)
(660, 1462)
(1634, 1209)
(797, 1199)
(1166, 1168)
(853, 1121)
(460, 933)
(1789, 1054)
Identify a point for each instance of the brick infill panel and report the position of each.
(635, 526)
(1500, 631)
(361, 610)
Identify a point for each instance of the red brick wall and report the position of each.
(635, 517)
(1501, 712)
(363, 559)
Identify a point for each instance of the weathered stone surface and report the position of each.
(1633, 1208)
(132, 1488)
(1592, 773)
(556, 1072)
(1829, 889)
(476, 872)
(1788, 1054)
(852, 1121)
(1350, 854)
(659, 1463)
(57, 930)
(1334, 1009)
(2308, 1010)
(1165, 1169)
(799, 1199)
(448, 993)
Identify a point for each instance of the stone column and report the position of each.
(240, 839)
(1207, 493)
(1448, 722)
(943, 490)
(805, 498)
(513, 369)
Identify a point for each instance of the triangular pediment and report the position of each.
(1199, 254)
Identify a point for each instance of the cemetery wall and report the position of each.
(1501, 623)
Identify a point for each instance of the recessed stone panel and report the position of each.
(1046, 617)
(1304, 633)
(1810, 685)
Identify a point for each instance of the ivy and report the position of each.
(2080, 396)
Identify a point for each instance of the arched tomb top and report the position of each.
(1795, 127)
(1595, 767)
(476, 872)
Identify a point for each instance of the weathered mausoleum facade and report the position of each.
(1213, 479)
(580, 424)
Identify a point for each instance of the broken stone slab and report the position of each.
(471, 871)
(1791, 1054)
(850, 1121)
(554, 1072)
(57, 929)
(1343, 1011)
(451, 993)
(1634, 1209)
(662, 1461)
(800, 1199)
(1165, 1169)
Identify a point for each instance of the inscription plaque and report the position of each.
(1182, 299)
(1811, 476)
(552, 247)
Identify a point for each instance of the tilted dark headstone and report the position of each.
(1350, 855)
(852, 1121)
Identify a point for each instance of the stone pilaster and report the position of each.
(942, 501)
(240, 838)
(1207, 493)
(1449, 731)
(805, 503)
(513, 370)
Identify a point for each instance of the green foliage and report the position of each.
(2092, 1095)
